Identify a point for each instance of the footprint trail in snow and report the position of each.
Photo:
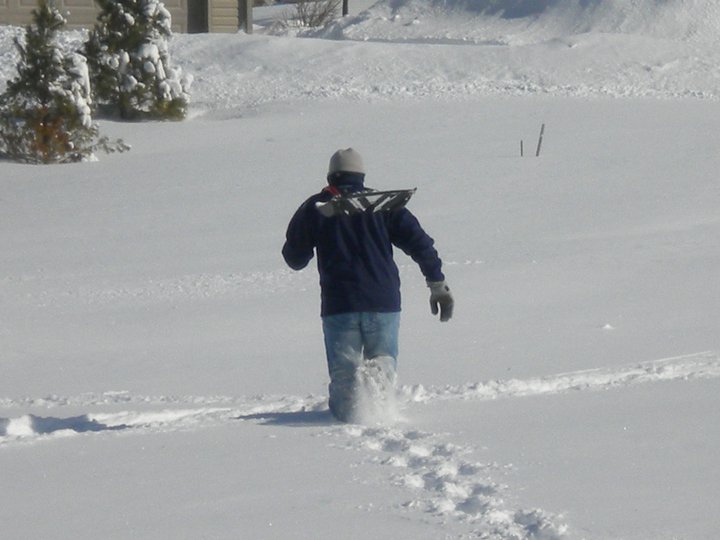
(443, 483)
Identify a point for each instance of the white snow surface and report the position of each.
(163, 372)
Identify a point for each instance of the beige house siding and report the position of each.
(222, 14)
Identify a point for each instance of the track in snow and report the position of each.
(703, 365)
(168, 413)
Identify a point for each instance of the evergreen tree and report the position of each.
(129, 63)
(44, 112)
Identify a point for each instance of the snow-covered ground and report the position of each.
(163, 373)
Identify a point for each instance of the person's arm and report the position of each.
(299, 242)
(407, 234)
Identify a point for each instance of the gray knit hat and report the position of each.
(347, 160)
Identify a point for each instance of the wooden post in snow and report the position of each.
(542, 132)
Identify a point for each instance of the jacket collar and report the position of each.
(346, 181)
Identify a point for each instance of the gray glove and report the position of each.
(441, 300)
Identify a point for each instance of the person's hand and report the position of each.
(441, 300)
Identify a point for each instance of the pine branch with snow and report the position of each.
(129, 62)
(45, 114)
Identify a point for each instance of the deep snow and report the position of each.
(163, 372)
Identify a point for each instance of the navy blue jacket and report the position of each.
(355, 254)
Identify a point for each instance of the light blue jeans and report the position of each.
(351, 340)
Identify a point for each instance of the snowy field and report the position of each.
(163, 372)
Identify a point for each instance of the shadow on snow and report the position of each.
(292, 419)
(38, 425)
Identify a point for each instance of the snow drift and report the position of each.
(529, 21)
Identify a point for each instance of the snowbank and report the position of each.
(644, 48)
(519, 22)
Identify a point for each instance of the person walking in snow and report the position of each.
(359, 280)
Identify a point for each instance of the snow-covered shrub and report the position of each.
(45, 112)
(306, 14)
(314, 13)
(129, 62)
